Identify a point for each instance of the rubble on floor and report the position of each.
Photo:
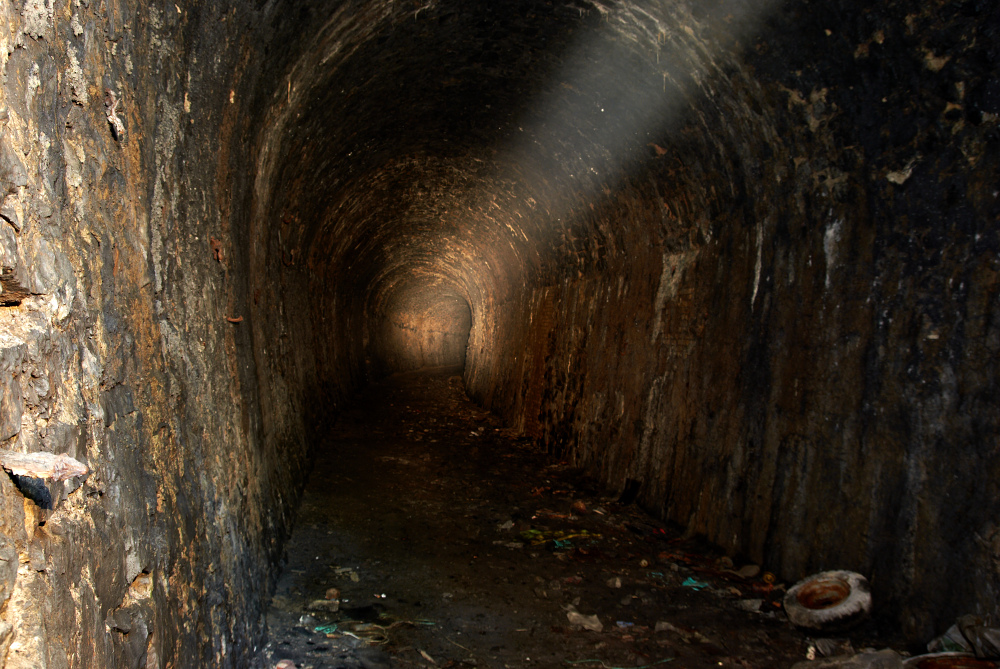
(431, 536)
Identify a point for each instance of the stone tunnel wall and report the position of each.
(790, 339)
(132, 349)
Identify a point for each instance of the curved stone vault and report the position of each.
(741, 257)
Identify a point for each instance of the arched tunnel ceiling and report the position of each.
(449, 143)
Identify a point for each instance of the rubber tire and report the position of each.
(851, 604)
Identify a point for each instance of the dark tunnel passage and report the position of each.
(738, 259)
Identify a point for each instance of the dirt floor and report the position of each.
(430, 536)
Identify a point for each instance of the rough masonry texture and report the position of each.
(740, 258)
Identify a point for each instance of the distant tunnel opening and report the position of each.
(426, 327)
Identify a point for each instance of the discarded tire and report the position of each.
(829, 601)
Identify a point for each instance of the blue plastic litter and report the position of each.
(690, 582)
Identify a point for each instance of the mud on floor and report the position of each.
(429, 536)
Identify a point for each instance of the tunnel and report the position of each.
(737, 260)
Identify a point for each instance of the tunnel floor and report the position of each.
(455, 544)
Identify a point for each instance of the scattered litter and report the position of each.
(694, 584)
(591, 623)
(509, 544)
(985, 640)
(307, 621)
(427, 657)
(560, 537)
(370, 633)
(285, 664)
(689, 636)
(952, 641)
(496, 553)
(547, 513)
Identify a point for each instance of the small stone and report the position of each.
(833, 647)
(751, 605)
(883, 659)
(615, 582)
(324, 605)
(333, 593)
(748, 570)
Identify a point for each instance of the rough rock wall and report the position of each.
(789, 337)
(131, 349)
